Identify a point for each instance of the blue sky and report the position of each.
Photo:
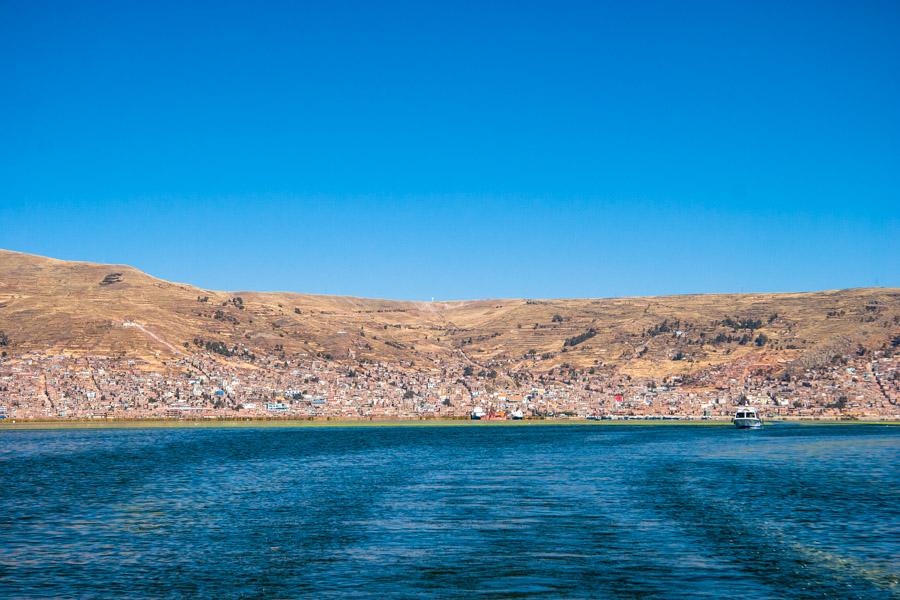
(457, 150)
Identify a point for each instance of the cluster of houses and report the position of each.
(203, 385)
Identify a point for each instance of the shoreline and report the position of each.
(85, 424)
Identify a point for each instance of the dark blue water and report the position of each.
(575, 511)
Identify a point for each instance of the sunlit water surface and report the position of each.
(570, 511)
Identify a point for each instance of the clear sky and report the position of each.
(458, 149)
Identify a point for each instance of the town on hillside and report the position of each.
(83, 341)
(205, 384)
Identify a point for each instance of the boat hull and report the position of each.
(745, 423)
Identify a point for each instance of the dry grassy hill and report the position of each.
(48, 305)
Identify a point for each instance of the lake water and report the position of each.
(401, 512)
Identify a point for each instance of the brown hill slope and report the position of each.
(48, 305)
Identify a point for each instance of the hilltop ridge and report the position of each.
(48, 304)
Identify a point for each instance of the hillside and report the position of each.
(89, 312)
(55, 306)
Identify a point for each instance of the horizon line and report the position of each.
(448, 301)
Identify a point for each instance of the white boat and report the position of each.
(517, 415)
(747, 418)
(477, 413)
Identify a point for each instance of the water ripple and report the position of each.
(667, 512)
